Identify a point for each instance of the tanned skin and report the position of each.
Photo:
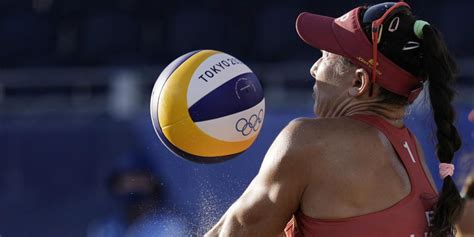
(330, 167)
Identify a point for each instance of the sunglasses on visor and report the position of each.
(375, 16)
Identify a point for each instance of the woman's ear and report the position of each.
(360, 84)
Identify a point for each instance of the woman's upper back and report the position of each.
(358, 174)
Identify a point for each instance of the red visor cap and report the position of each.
(344, 36)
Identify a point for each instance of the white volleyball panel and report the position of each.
(212, 73)
(236, 127)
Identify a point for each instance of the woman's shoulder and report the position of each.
(329, 137)
(326, 128)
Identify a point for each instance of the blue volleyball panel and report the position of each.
(238, 94)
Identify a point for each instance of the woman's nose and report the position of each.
(313, 72)
(314, 68)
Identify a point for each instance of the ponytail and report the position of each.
(440, 69)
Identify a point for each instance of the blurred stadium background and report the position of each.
(75, 82)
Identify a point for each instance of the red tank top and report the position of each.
(407, 218)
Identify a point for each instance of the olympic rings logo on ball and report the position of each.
(246, 127)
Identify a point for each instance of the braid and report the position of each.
(440, 68)
(431, 61)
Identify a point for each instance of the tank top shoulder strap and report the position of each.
(402, 141)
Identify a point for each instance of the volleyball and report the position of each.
(207, 106)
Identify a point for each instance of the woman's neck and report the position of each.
(394, 114)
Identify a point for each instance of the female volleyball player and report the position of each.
(357, 170)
